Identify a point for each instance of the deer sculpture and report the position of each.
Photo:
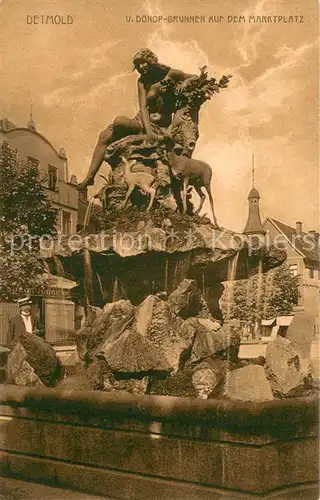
(192, 172)
(144, 180)
(101, 194)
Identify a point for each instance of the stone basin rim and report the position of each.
(268, 415)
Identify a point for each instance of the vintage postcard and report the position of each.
(159, 237)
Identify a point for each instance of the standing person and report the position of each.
(22, 323)
(155, 108)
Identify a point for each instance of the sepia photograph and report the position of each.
(159, 250)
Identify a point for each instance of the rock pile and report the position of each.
(168, 345)
(173, 346)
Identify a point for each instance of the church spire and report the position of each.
(254, 225)
(31, 124)
(253, 170)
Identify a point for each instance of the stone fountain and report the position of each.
(151, 284)
(152, 281)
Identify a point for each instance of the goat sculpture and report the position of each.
(193, 172)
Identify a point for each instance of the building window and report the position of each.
(34, 162)
(66, 222)
(52, 177)
(310, 272)
(293, 269)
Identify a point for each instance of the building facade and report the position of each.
(56, 309)
(302, 250)
(53, 169)
(303, 257)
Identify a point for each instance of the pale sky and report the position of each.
(80, 78)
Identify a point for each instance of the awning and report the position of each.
(284, 320)
(268, 322)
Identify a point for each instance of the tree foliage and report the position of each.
(26, 214)
(263, 296)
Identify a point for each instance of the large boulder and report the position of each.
(132, 385)
(134, 353)
(70, 362)
(33, 362)
(247, 384)
(93, 314)
(179, 384)
(192, 381)
(81, 340)
(208, 340)
(105, 328)
(187, 329)
(87, 330)
(283, 369)
(99, 377)
(96, 377)
(207, 376)
(212, 340)
(155, 321)
(301, 332)
(186, 301)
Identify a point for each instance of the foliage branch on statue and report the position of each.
(26, 215)
(196, 91)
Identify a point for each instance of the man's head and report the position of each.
(25, 305)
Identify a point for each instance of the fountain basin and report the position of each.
(162, 447)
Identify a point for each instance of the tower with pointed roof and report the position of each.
(253, 225)
(31, 124)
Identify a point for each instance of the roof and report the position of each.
(6, 127)
(254, 225)
(6, 124)
(254, 193)
(32, 131)
(302, 244)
